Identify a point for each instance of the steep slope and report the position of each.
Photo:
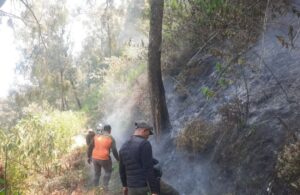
(262, 89)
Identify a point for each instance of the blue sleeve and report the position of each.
(122, 171)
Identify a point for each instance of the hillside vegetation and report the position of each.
(231, 76)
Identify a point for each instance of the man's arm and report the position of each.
(90, 149)
(114, 149)
(147, 163)
(122, 172)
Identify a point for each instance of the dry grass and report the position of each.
(74, 176)
(69, 175)
(234, 113)
(196, 135)
(288, 165)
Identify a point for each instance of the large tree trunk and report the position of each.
(157, 92)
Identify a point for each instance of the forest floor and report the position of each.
(77, 178)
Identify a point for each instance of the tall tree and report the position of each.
(157, 92)
(47, 54)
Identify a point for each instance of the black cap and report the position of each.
(144, 125)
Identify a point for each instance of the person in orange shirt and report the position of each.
(99, 152)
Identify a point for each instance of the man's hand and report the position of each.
(89, 160)
(125, 191)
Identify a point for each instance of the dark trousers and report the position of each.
(165, 189)
(138, 191)
(107, 166)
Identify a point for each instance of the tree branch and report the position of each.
(211, 37)
(36, 20)
(12, 16)
(230, 63)
(274, 76)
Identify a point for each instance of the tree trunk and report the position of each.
(62, 95)
(157, 92)
(75, 94)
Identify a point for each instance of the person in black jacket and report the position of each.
(165, 188)
(136, 163)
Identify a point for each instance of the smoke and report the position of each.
(178, 169)
(121, 111)
(132, 32)
(121, 121)
(78, 141)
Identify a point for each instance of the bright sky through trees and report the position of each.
(8, 55)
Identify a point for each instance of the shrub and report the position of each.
(225, 25)
(37, 142)
(288, 165)
(234, 113)
(196, 135)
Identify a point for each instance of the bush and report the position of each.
(221, 25)
(196, 135)
(124, 85)
(234, 113)
(37, 142)
(288, 165)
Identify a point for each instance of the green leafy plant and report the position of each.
(210, 6)
(208, 93)
(219, 67)
(39, 140)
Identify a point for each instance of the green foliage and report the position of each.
(123, 72)
(223, 82)
(38, 140)
(195, 21)
(208, 93)
(219, 67)
(119, 79)
(210, 6)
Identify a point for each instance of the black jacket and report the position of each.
(136, 164)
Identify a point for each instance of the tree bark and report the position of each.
(63, 99)
(157, 92)
(75, 94)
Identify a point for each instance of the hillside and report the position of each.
(242, 137)
(231, 77)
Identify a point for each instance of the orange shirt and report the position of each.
(102, 145)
